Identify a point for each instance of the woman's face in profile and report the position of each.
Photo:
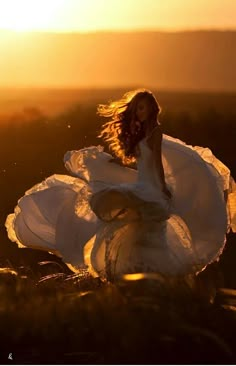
(143, 110)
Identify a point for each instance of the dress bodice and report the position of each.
(146, 167)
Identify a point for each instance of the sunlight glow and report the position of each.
(103, 15)
(29, 15)
(142, 276)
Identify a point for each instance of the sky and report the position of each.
(121, 15)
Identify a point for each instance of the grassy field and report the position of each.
(64, 319)
(49, 315)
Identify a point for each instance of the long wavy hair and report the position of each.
(118, 132)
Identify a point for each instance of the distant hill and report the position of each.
(198, 60)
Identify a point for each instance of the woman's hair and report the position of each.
(117, 132)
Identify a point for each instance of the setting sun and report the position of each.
(28, 15)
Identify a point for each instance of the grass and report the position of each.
(76, 319)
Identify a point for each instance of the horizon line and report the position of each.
(118, 87)
(124, 30)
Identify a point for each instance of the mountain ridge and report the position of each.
(184, 60)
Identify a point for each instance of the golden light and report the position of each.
(142, 276)
(94, 15)
(29, 15)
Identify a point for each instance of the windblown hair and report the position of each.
(117, 132)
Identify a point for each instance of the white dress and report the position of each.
(116, 220)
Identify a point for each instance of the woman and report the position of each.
(116, 219)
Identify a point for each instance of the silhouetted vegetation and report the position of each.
(65, 319)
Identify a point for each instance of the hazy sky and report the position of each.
(90, 15)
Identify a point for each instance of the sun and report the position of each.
(29, 15)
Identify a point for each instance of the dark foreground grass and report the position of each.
(68, 319)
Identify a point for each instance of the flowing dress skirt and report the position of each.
(103, 217)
